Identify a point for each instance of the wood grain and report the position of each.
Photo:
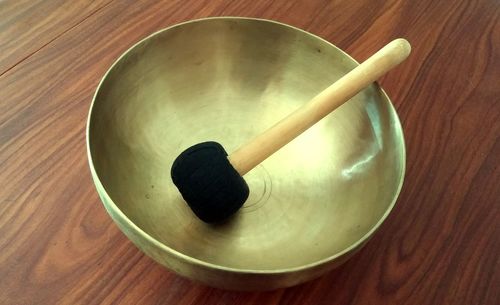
(26, 26)
(441, 244)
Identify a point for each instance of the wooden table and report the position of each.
(441, 244)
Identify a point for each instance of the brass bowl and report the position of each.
(312, 204)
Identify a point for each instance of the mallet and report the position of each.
(211, 182)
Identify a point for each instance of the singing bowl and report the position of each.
(312, 204)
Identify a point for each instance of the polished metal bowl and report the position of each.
(312, 204)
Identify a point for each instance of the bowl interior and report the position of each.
(227, 80)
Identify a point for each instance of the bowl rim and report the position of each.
(195, 261)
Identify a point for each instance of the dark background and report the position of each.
(441, 244)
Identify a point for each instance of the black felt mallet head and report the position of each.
(208, 182)
(211, 182)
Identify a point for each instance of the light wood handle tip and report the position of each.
(402, 49)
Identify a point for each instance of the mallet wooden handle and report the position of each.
(254, 152)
